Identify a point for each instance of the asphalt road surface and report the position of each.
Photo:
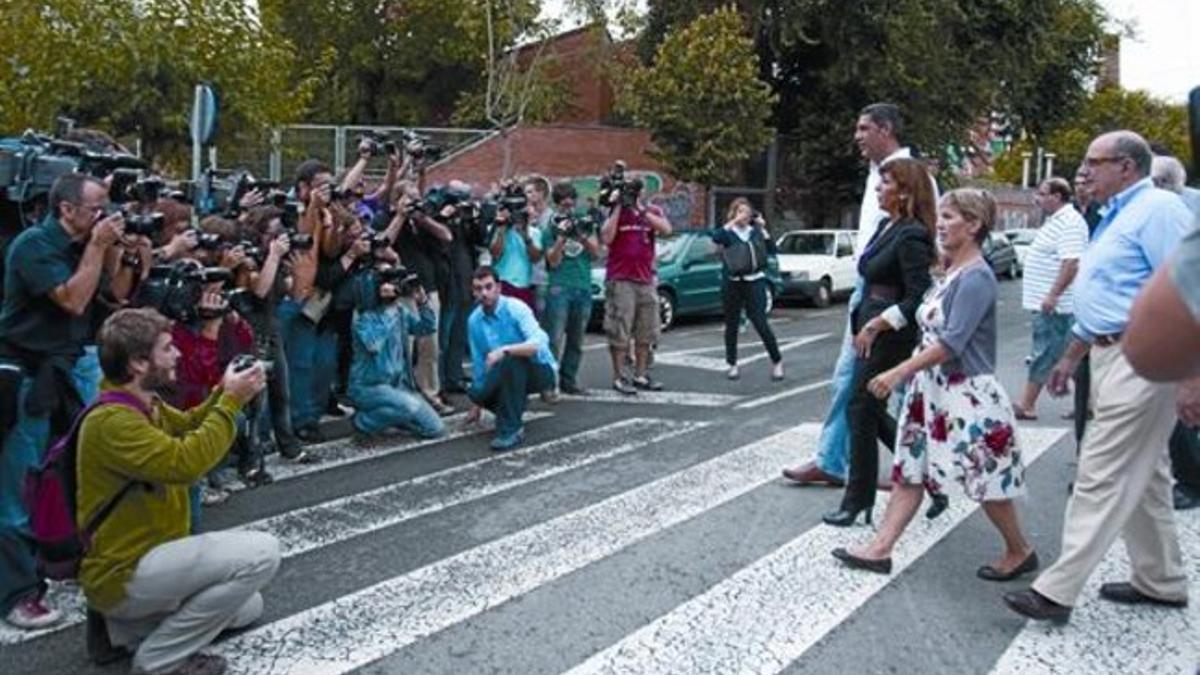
(652, 535)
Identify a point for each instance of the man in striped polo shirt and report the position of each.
(1050, 267)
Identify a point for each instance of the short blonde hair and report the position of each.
(733, 207)
(975, 205)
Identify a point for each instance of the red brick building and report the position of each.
(584, 143)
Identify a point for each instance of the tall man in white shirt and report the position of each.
(877, 134)
(1050, 267)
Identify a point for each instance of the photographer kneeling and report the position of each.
(167, 593)
(382, 387)
(510, 358)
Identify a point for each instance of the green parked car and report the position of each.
(689, 278)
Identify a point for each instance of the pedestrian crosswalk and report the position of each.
(600, 487)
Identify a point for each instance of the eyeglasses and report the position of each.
(1097, 161)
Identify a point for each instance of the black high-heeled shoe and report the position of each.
(844, 517)
(940, 503)
(881, 566)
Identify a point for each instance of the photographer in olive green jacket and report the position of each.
(163, 592)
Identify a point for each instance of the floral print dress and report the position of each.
(956, 427)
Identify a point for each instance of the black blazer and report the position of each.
(899, 258)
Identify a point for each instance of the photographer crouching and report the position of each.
(48, 366)
(630, 297)
(382, 386)
(571, 245)
(163, 593)
(510, 356)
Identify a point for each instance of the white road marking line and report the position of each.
(344, 451)
(1105, 637)
(794, 391)
(768, 614)
(690, 360)
(340, 519)
(687, 398)
(362, 627)
(327, 523)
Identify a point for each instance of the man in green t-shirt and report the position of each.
(571, 244)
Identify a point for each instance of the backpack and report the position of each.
(49, 498)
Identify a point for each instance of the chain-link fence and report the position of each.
(276, 154)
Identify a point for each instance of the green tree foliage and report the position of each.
(1110, 109)
(945, 62)
(702, 101)
(398, 62)
(130, 68)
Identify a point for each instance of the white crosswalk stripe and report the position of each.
(1104, 637)
(761, 615)
(355, 630)
(768, 614)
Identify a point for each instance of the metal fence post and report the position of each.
(339, 149)
(275, 167)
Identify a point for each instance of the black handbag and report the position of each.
(743, 258)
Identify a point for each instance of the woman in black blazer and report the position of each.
(895, 268)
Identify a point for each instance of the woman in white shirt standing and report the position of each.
(745, 247)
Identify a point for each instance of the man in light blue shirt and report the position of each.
(1123, 482)
(510, 357)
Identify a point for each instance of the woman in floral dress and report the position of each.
(957, 423)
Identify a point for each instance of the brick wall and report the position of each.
(574, 152)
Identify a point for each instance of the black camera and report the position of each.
(290, 218)
(578, 224)
(510, 198)
(378, 240)
(300, 241)
(252, 250)
(208, 241)
(405, 280)
(419, 147)
(379, 143)
(242, 363)
(616, 189)
(175, 290)
(145, 224)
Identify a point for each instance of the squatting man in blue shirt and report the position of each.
(510, 358)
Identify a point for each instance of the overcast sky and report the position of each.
(1162, 59)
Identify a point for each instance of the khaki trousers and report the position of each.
(426, 372)
(185, 592)
(1122, 487)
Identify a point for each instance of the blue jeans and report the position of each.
(567, 311)
(380, 407)
(1051, 334)
(833, 447)
(504, 389)
(24, 446)
(310, 362)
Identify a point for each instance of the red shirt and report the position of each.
(202, 361)
(631, 253)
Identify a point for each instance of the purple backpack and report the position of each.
(49, 498)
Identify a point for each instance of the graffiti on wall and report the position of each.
(679, 205)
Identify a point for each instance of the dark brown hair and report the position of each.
(916, 189)
(127, 335)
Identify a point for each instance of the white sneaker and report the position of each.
(732, 373)
(33, 614)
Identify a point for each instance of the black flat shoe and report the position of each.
(1033, 605)
(939, 505)
(989, 573)
(846, 517)
(881, 566)
(1123, 592)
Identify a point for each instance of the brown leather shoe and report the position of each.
(809, 473)
(1036, 606)
(1124, 593)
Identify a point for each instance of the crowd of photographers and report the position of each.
(330, 294)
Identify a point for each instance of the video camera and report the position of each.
(511, 198)
(176, 290)
(405, 280)
(419, 147)
(616, 189)
(379, 143)
(573, 225)
(30, 163)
